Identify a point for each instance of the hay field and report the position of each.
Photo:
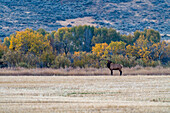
(85, 94)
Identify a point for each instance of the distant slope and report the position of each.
(123, 15)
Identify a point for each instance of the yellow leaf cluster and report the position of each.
(116, 47)
(100, 49)
(29, 41)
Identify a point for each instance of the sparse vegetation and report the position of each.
(125, 15)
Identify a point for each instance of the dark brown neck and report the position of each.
(108, 64)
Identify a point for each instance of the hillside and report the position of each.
(123, 15)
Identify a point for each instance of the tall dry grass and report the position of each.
(83, 71)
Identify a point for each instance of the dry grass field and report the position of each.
(83, 71)
(85, 94)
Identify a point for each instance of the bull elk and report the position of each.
(113, 66)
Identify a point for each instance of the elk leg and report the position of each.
(111, 72)
(120, 72)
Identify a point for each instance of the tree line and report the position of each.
(83, 46)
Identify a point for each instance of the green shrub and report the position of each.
(23, 64)
(124, 60)
(154, 63)
(140, 62)
(61, 61)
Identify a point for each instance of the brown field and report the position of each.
(83, 71)
(85, 94)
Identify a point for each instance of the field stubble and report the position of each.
(84, 94)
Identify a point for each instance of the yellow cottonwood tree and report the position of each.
(116, 47)
(157, 49)
(100, 49)
(3, 49)
(6, 42)
(29, 41)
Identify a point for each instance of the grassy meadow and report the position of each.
(85, 94)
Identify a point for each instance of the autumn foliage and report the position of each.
(83, 46)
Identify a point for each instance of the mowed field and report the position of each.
(85, 94)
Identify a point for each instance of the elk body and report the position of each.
(112, 67)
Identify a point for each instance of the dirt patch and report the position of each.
(78, 21)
